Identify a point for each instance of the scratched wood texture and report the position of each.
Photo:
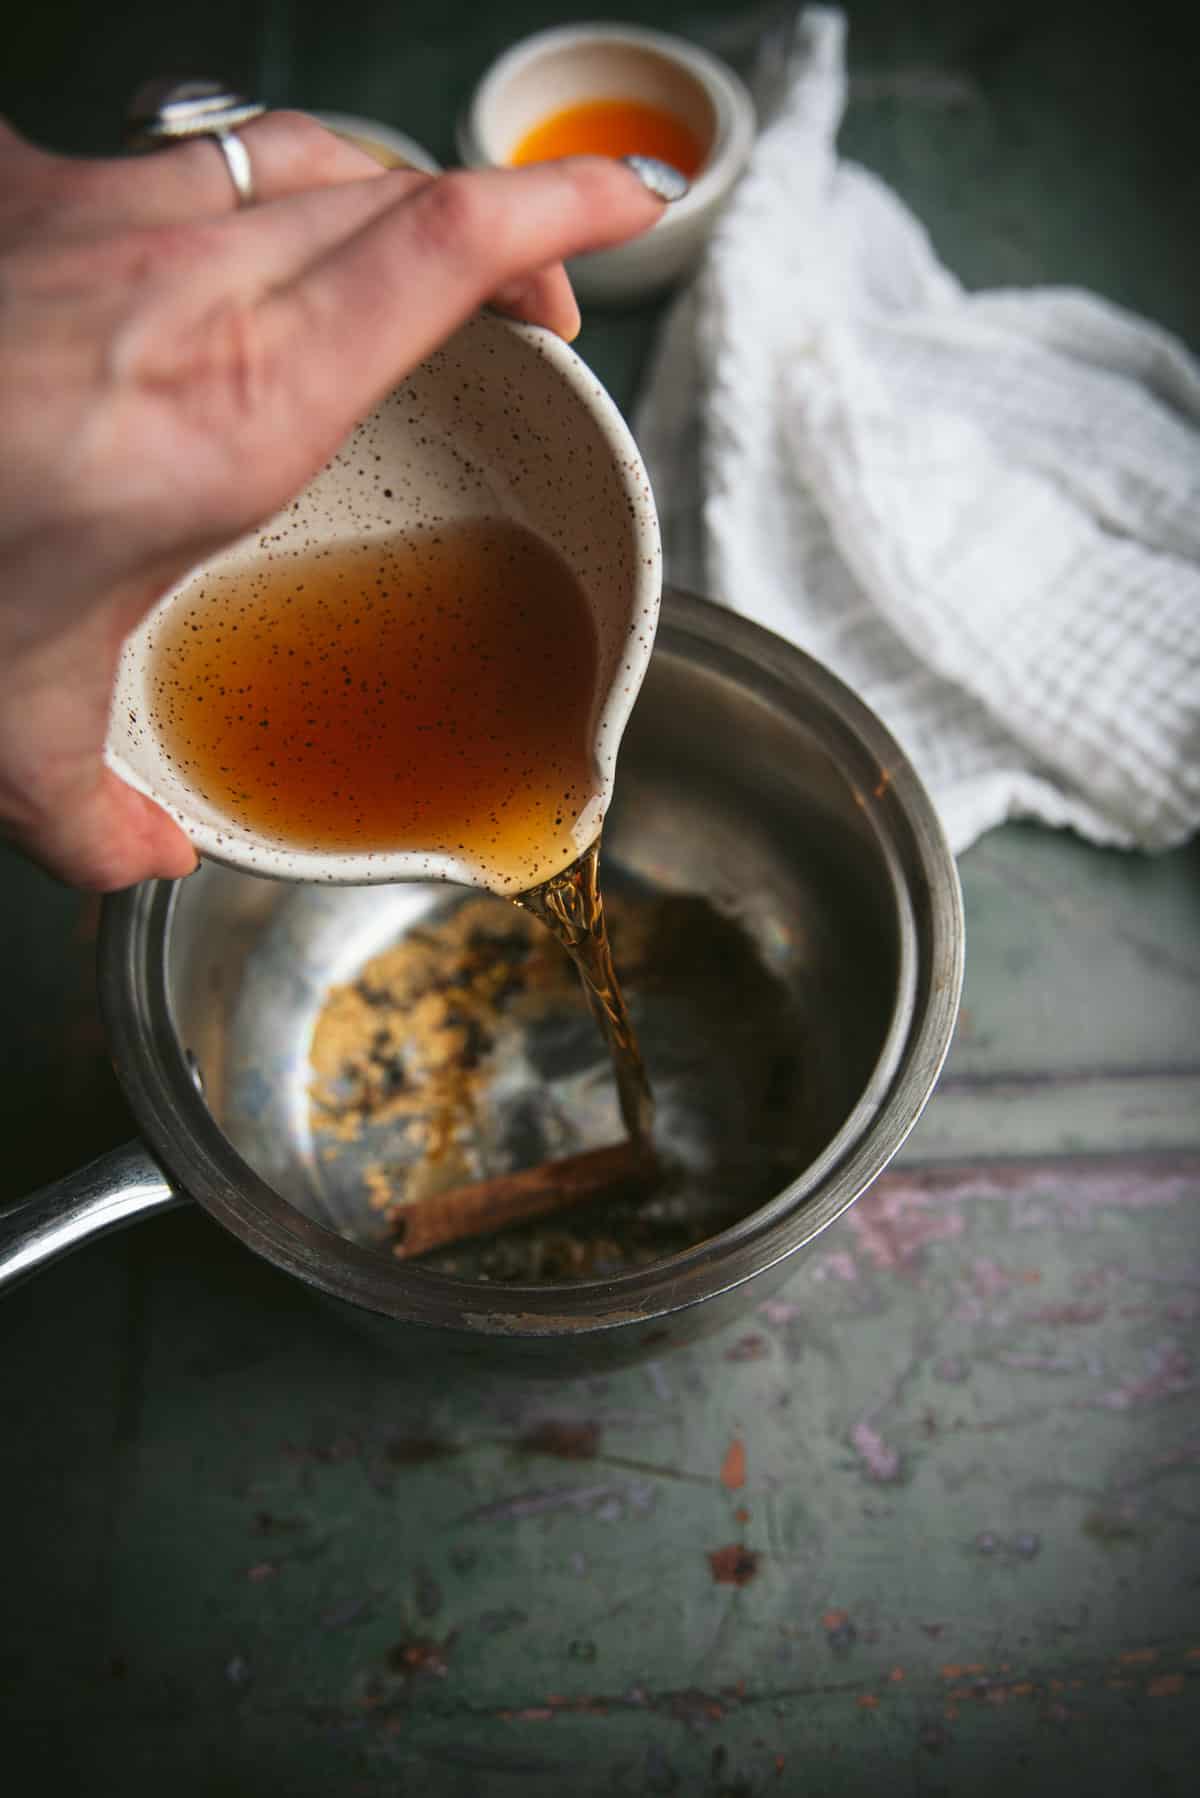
(927, 1519)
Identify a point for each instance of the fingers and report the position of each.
(24, 174)
(108, 838)
(289, 153)
(370, 309)
(331, 296)
(318, 300)
(545, 298)
(187, 276)
(58, 799)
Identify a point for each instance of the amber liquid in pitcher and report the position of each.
(428, 692)
(431, 692)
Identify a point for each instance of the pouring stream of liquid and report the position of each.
(571, 907)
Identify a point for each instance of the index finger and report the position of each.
(364, 314)
(290, 153)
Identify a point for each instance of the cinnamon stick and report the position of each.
(618, 1171)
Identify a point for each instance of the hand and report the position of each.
(173, 370)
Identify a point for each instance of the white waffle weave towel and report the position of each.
(981, 510)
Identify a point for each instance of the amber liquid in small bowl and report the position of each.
(613, 128)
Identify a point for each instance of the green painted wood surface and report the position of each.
(247, 1554)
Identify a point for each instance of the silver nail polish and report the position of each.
(664, 182)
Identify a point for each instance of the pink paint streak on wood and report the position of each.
(896, 1222)
(880, 1462)
(903, 1214)
(1171, 1373)
(1125, 1184)
(837, 1266)
(990, 1277)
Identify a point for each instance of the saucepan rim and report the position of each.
(201, 1162)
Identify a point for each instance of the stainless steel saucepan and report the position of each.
(795, 1007)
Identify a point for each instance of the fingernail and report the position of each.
(664, 182)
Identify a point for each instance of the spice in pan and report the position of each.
(485, 1206)
(466, 1052)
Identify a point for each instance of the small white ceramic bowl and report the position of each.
(573, 64)
(505, 421)
(394, 149)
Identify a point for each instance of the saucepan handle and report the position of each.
(118, 1189)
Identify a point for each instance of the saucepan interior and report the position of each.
(788, 920)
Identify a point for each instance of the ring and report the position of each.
(168, 112)
(237, 161)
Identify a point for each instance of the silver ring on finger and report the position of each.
(237, 161)
(170, 112)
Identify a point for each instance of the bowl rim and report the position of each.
(223, 840)
(731, 100)
(152, 1064)
(388, 137)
